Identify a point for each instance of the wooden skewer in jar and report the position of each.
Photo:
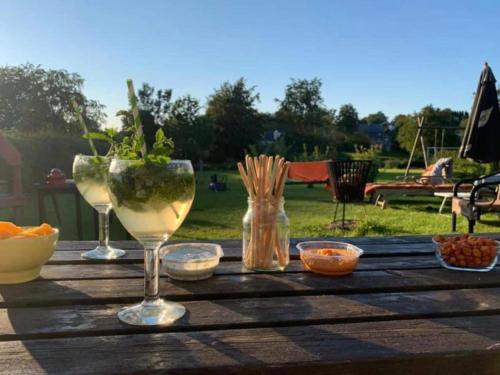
(266, 243)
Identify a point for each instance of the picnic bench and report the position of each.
(398, 313)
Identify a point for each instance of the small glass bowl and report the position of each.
(330, 265)
(449, 266)
(190, 261)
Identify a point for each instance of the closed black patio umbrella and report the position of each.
(481, 140)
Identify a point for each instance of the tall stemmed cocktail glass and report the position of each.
(90, 175)
(151, 199)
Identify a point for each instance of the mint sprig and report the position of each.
(79, 117)
(133, 145)
(145, 179)
(138, 132)
(96, 170)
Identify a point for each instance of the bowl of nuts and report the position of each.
(466, 253)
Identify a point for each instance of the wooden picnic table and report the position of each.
(398, 313)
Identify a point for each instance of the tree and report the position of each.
(303, 106)
(347, 118)
(375, 118)
(193, 134)
(237, 124)
(433, 117)
(399, 120)
(157, 103)
(185, 110)
(35, 99)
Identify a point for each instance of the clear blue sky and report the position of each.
(389, 55)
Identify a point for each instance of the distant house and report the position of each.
(380, 134)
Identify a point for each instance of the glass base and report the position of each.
(274, 267)
(103, 252)
(152, 313)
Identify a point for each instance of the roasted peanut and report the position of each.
(467, 251)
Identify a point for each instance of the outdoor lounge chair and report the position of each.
(308, 172)
(484, 196)
(433, 179)
(437, 173)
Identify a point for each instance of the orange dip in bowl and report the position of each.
(330, 261)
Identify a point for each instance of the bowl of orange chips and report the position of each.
(24, 250)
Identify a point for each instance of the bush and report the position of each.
(391, 163)
(43, 151)
(351, 140)
(226, 166)
(276, 147)
(316, 154)
(369, 153)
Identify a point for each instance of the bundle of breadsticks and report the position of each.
(264, 178)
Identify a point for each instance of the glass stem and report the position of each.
(104, 228)
(151, 274)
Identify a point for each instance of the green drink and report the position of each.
(151, 200)
(90, 175)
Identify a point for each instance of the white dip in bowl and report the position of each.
(190, 261)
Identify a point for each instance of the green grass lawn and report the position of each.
(218, 215)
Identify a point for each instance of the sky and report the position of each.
(390, 55)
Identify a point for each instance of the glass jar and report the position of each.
(266, 235)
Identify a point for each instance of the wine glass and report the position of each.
(90, 175)
(151, 199)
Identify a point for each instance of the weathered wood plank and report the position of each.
(131, 256)
(91, 271)
(468, 341)
(134, 245)
(85, 245)
(46, 293)
(133, 270)
(126, 245)
(234, 253)
(93, 320)
(373, 246)
(75, 257)
(365, 264)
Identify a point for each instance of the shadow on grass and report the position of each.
(363, 228)
(491, 223)
(368, 227)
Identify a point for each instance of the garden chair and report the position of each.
(348, 180)
(484, 196)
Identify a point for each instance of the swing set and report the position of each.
(420, 137)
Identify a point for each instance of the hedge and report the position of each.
(42, 151)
